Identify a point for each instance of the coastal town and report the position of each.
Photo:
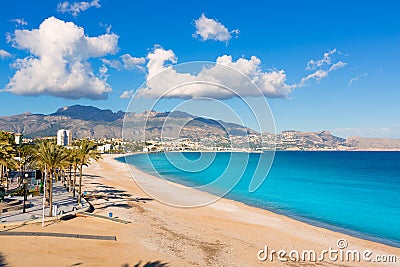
(286, 140)
(124, 132)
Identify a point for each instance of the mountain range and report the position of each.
(92, 122)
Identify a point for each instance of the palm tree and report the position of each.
(7, 151)
(73, 162)
(51, 156)
(26, 155)
(87, 151)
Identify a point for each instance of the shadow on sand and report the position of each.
(3, 262)
(112, 197)
(147, 264)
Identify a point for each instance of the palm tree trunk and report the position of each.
(64, 181)
(1, 177)
(47, 193)
(74, 185)
(51, 194)
(69, 179)
(80, 184)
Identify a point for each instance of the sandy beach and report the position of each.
(225, 233)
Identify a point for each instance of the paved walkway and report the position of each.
(61, 197)
(81, 236)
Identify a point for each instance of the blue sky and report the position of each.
(282, 35)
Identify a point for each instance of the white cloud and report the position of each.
(161, 77)
(127, 94)
(272, 83)
(107, 27)
(4, 54)
(113, 63)
(210, 29)
(126, 62)
(103, 70)
(337, 66)
(75, 8)
(326, 60)
(317, 75)
(58, 64)
(322, 67)
(130, 62)
(355, 79)
(20, 21)
(157, 59)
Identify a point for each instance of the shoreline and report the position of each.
(258, 151)
(297, 218)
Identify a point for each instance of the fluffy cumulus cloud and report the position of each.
(158, 60)
(226, 79)
(58, 63)
(75, 8)
(130, 62)
(127, 94)
(210, 29)
(4, 54)
(125, 62)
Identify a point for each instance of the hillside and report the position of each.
(362, 143)
(91, 122)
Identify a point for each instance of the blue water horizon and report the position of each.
(352, 192)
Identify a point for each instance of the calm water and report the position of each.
(352, 192)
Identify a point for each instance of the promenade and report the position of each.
(64, 201)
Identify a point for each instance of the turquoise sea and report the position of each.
(356, 193)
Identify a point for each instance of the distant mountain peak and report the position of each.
(173, 114)
(89, 113)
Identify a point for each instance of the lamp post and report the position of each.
(25, 182)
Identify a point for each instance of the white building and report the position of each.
(64, 137)
(105, 148)
(18, 138)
